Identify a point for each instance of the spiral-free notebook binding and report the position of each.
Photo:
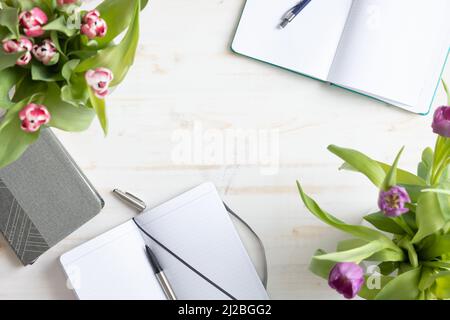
(44, 197)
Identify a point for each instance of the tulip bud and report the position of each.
(93, 26)
(99, 80)
(32, 22)
(64, 2)
(346, 278)
(22, 45)
(393, 202)
(46, 52)
(441, 121)
(33, 116)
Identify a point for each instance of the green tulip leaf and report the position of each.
(65, 116)
(382, 255)
(60, 25)
(110, 10)
(321, 268)
(391, 176)
(412, 254)
(425, 166)
(354, 255)
(361, 232)
(383, 223)
(68, 69)
(361, 163)
(429, 216)
(370, 288)
(14, 140)
(403, 177)
(439, 246)
(388, 267)
(441, 288)
(9, 18)
(8, 60)
(402, 287)
(117, 58)
(40, 72)
(45, 5)
(27, 87)
(100, 108)
(446, 91)
(9, 78)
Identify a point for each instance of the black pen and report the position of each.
(159, 273)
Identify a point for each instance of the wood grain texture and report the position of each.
(185, 74)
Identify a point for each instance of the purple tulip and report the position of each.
(346, 278)
(393, 202)
(441, 121)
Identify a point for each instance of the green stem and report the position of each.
(440, 161)
(436, 264)
(441, 170)
(404, 225)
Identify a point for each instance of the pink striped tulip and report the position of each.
(22, 45)
(32, 22)
(33, 116)
(99, 80)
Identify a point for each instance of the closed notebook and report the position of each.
(44, 197)
(390, 50)
(194, 226)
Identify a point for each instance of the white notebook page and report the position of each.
(394, 50)
(112, 266)
(307, 45)
(195, 226)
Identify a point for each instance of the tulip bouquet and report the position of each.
(58, 63)
(407, 255)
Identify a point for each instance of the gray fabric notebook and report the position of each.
(44, 197)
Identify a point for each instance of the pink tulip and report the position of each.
(347, 278)
(33, 116)
(64, 2)
(441, 121)
(393, 203)
(22, 45)
(32, 22)
(46, 52)
(99, 80)
(93, 26)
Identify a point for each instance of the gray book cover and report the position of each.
(44, 197)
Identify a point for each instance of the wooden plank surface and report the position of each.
(187, 82)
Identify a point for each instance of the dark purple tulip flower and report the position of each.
(346, 278)
(441, 121)
(393, 202)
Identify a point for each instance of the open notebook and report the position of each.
(195, 226)
(391, 50)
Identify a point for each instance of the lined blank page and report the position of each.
(307, 45)
(394, 50)
(112, 266)
(197, 227)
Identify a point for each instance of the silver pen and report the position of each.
(140, 205)
(130, 199)
(159, 273)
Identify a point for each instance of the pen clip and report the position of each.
(131, 199)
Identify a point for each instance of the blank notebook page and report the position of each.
(307, 46)
(394, 50)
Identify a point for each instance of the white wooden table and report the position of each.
(185, 76)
